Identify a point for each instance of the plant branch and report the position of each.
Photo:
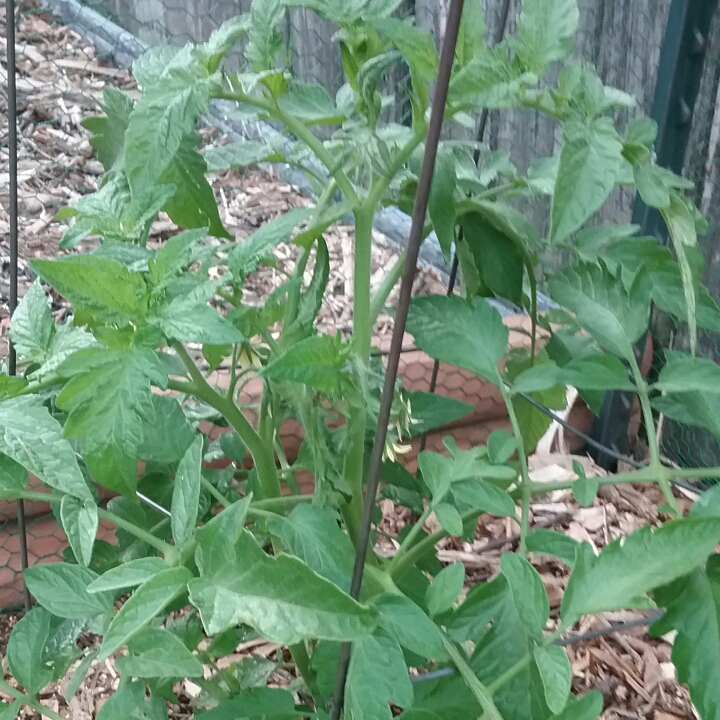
(525, 482)
(262, 455)
(381, 184)
(30, 701)
(169, 551)
(302, 133)
(482, 694)
(663, 481)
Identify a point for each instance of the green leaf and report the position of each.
(405, 622)
(532, 423)
(150, 599)
(596, 372)
(242, 154)
(471, 33)
(67, 340)
(193, 203)
(160, 123)
(186, 494)
(216, 539)
(377, 676)
(413, 43)
(589, 163)
(625, 571)
(651, 184)
(585, 490)
(13, 476)
(692, 408)
(11, 711)
(128, 575)
(528, 593)
(265, 40)
(262, 703)
(556, 673)
(129, 701)
(311, 104)
(281, 597)
(314, 535)
(684, 373)
(501, 446)
(190, 319)
(681, 227)
(246, 255)
(498, 258)
(25, 650)
(487, 81)
(588, 707)
(449, 519)
(32, 327)
(174, 255)
(79, 520)
(222, 40)
(159, 653)
(316, 361)
(149, 67)
(168, 435)
(695, 614)
(550, 542)
(94, 282)
(485, 496)
(441, 203)
(470, 336)
(616, 318)
(431, 411)
(33, 438)
(545, 32)
(108, 133)
(108, 399)
(445, 588)
(61, 588)
(78, 676)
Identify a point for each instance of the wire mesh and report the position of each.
(62, 69)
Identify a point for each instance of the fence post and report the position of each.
(678, 82)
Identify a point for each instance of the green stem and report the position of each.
(663, 481)
(262, 455)
(509, 674)
(278, 505)
(482, 694)
(362, 338)
(30, 701)
(402, 563)
(294, 292)
(214, 492)
(302, 133)
(166, 549)
(379, 187)
(415, 530)
(35, 387)
(525, 482)
(389, 281)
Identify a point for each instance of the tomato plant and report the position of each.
(117, 384)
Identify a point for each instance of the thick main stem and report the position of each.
(362, 339)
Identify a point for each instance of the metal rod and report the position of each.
(418, 218)
(482, 124)
(152, 504)
(13, 210)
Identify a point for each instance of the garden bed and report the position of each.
(59, 80)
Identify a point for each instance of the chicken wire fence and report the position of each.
(67, 52)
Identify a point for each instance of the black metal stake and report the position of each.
(418, 219)
(13, 210)
(497, 39)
